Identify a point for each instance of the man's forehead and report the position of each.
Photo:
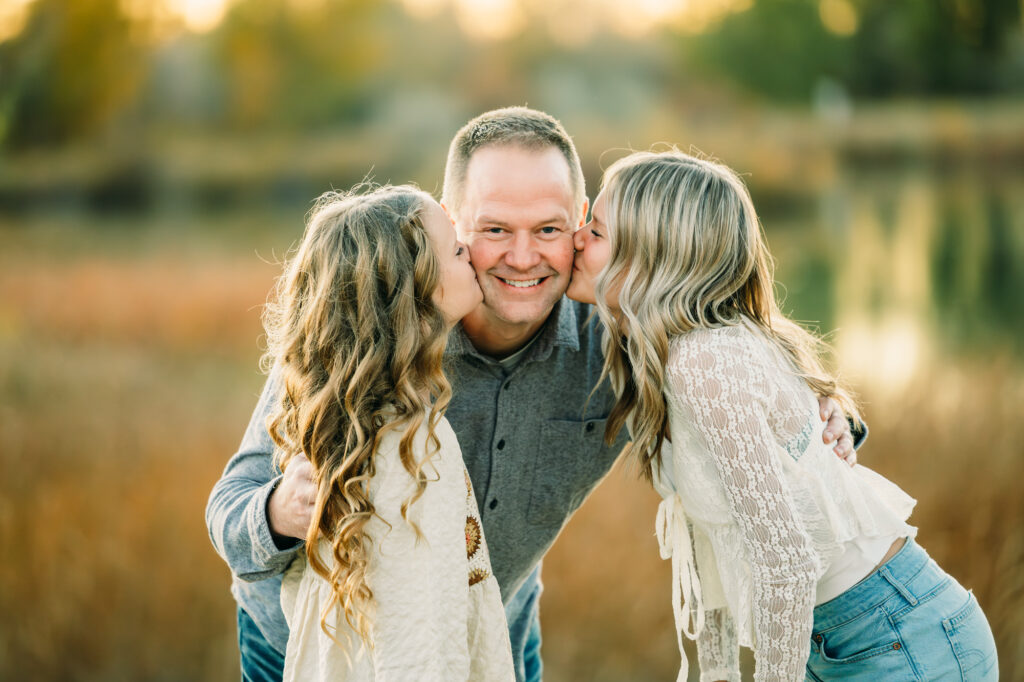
(513, 170)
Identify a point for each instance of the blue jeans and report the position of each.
(263, 663)
(260, 661)
(523, 615)
(908, 620)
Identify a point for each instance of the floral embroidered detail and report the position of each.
(478, 575)
(473, 535)
(469, 485)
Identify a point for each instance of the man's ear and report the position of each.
(583, 213)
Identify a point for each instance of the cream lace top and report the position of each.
(438, 614)
(755, 506)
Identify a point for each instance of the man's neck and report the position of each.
(498, 338)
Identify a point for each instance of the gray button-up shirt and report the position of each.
(532, 440)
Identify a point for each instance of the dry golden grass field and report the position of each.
(128, 372)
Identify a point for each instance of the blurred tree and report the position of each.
(302, 64)
(940, 47)
(82, 67)
(69, 73)
(875, 48)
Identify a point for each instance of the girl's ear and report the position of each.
(447, 212)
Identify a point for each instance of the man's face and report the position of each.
(517, 217)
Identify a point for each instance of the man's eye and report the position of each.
(549, 229)
(494, 230)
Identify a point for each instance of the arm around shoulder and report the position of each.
(236, 512)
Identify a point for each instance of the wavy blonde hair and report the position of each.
(358, 341)
(687, 251)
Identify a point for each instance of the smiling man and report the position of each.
(517, 208)
(523, 366)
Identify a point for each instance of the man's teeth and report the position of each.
(521, 282)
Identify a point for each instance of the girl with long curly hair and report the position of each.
(395, 580)
(775, 543)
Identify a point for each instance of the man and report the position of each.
(522, 366)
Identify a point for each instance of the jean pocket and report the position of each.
(971, 638)
(865, 649)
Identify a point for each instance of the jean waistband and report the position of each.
(911, 573)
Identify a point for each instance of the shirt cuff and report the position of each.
(266, 551)
(859, 431)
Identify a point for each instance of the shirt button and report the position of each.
(493, 504)
(896, 646)
(501, 444)
(590, 426)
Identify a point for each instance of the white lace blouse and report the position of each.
(755, 506)
(438, 614)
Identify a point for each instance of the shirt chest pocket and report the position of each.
(570, 461)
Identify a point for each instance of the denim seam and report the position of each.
(863, 656)
(903, 648)
(953, 622)
(867, 612)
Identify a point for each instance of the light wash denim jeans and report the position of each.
(261, 662)
(908, 620)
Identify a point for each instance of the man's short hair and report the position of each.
(514, 126)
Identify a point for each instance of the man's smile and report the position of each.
(521, 283)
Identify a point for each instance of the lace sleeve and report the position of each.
(719, 377)
(717, 650)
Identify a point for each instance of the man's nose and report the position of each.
(523, 253)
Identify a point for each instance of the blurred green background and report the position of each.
(157, 158)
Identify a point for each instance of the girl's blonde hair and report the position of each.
(687, 251)
(358, 342)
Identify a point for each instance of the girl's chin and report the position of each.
(580, 293)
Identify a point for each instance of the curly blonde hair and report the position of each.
(687, 251)
(358, 341)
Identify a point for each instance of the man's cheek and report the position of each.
(561, 258)
(481, 256)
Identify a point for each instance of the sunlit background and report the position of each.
(158, 156)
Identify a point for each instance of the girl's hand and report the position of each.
(838, 430)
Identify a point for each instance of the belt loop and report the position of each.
(900, 587)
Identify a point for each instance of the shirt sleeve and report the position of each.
(420, 584)
(725, 389)
(718, 650)
(236, 513)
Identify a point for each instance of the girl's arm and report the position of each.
(718, 652)
(722, 382)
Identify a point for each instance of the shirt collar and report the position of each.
(560, 329)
